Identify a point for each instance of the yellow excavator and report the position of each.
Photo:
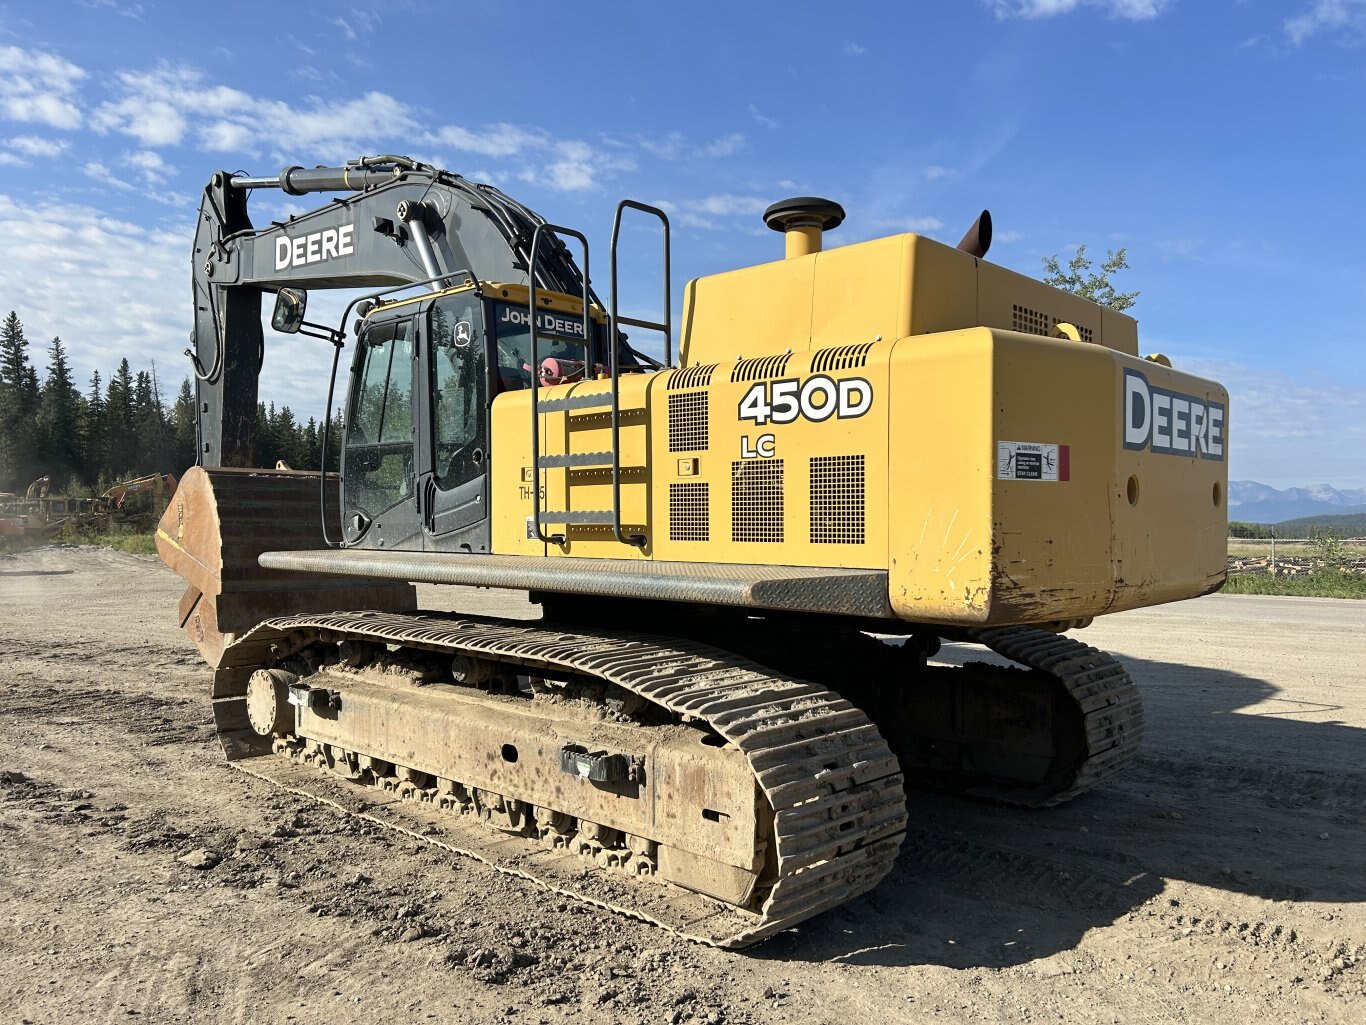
(746, 552)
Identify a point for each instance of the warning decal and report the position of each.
(1026, 460)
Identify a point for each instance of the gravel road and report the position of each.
(1222, 879)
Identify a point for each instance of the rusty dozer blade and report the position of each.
(216, 526)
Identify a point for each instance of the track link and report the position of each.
(834, 786)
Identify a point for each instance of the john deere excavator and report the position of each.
(745, 557)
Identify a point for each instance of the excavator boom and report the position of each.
(398, 222)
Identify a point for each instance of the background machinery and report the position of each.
(745, 557)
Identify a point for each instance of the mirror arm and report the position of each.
(322, 331)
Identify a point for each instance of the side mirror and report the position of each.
(290, 304)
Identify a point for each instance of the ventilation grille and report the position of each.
(1036, 323)
(842, 357)
(756, 489)
(689, 519)
(691, 377)
(688, 421)
(760, 367)
(837, 500)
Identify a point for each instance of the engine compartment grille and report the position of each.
(756, 500)
(837, 500)
(690, 511)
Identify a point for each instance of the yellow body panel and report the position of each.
(982, 466)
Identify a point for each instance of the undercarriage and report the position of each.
(713, 794)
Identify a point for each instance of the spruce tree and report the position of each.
(94, 443)
(19, 459)
(58, 419)
(120, 424)
(183, 429)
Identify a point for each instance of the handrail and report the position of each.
(614, 341)
(545, 538)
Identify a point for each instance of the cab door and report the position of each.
(456, 435)
(379, 455)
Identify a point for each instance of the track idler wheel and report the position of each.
(268, 709)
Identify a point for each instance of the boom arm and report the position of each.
(404, 222)
(120, 491)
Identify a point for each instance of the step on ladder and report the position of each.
(610, 399)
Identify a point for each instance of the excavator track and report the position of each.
(833, 786)
(1102, 691)
(1063, 696)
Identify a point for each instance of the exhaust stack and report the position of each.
(978, 239)
(803, 220)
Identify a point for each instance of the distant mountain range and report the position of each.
(1254, 502)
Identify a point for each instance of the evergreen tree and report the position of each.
(309, 456)
(18, 407)
(120, 424)
(59, 419)
(183, 429)
(266, 449)
(287, 439)
(149, 424)
(120, 428)
(334, 441)
(94, 444)
(14, 365)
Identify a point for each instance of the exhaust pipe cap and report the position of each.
(804, 211)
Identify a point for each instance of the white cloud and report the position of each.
(726, 205)
(122, 269)
(936, 171)
(170, 104)
(357, 23)
(226, 137)
(39, 87)
(134, 11)
(762, 118)
(497, 140)
(724, 146)
(151, 168)
(675, 146)
(1132, 10)
(1338, 16)
(1284, 429)
(160, 107)
(144, 113)
(12, 160)
(35, 146)
(854, 50)
(703, 211)
(920, 224)
(126, 307)
(574, 166)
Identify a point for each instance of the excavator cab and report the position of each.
(415, 456)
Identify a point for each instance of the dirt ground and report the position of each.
(1221, 880)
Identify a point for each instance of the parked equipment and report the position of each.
(745, 557)
(113, 498)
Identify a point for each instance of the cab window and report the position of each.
(513, 336)
(459, 420)
(379, 429)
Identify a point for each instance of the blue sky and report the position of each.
(1221, 141)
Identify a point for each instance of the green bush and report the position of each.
(1323, 583)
